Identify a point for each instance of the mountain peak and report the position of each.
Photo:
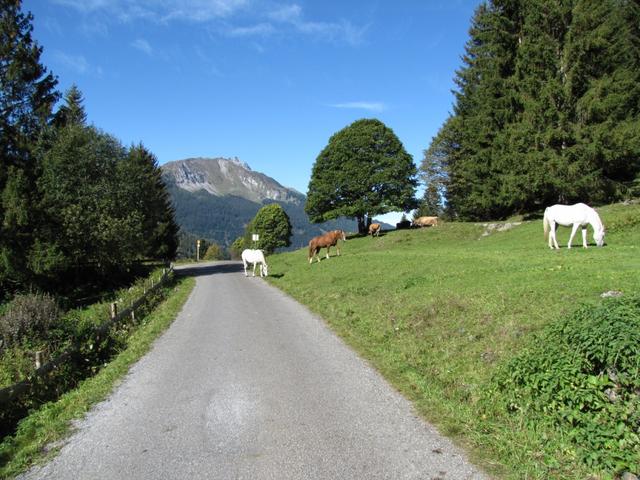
(227, 177)
(237, 161)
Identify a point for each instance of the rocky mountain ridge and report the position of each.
(225, 176)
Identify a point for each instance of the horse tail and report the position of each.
(312, 249)
(545, 223)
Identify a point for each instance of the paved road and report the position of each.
(248, 384)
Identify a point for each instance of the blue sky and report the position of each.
(267, 81)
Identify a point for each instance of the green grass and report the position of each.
(437, 310)
(51, 423)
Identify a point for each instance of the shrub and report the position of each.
(28, 316)
(581, 375)
(214, 252)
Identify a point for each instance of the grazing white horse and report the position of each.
(255, 257)
(578, 215)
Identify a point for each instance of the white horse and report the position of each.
(578, 215)
(255, 257)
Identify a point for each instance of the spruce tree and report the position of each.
(27, 95)
(142, 189)
(72, 112)
(603, 84)
(546, 108)
(485, 104)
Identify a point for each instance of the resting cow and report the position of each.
(425, 222)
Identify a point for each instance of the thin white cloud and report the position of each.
(261, 30)
(233, 18)
(370, 106)
(286, 13)
(94, 28)
(76, 63)
(159, 10)
(339, 31)
(84, 5)
(142, 45)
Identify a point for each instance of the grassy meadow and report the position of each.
(437, 310)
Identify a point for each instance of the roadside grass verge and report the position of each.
(438, 310)
(40, 434)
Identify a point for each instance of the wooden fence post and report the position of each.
(114, 310)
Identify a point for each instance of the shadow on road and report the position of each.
(209, 269)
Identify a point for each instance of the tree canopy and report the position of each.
(546, 109)
(363, 171)
(27, 97)
(76, 207)
(273, 226)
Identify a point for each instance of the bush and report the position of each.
(214, 252)
(581, 375)
(28, 317)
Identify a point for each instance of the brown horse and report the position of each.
(328, 240)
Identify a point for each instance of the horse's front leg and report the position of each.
(553, 241)
(254, 268)
(584, 237)
(574, 229)
(245, 268)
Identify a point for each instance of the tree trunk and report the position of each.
(362, 228)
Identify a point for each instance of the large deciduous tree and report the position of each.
(363, 171)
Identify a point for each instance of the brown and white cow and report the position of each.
(425, 222)
(374, 229)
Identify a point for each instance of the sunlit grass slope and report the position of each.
(437, 309)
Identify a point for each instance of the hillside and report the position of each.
(438, 310)
(215, 198)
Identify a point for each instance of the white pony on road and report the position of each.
(578, 215)
(255, 257)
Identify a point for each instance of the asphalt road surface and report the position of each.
(248, 384)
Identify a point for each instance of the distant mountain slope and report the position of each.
(215, 198)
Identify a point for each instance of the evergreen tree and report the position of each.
(27, 95)
(533, 147)
(546, 108)
(602, 53)
(363, 171)
(430, 204)
(142, 189)
(72, 112)
(484, 105)
(87, 228)
(273, 226)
